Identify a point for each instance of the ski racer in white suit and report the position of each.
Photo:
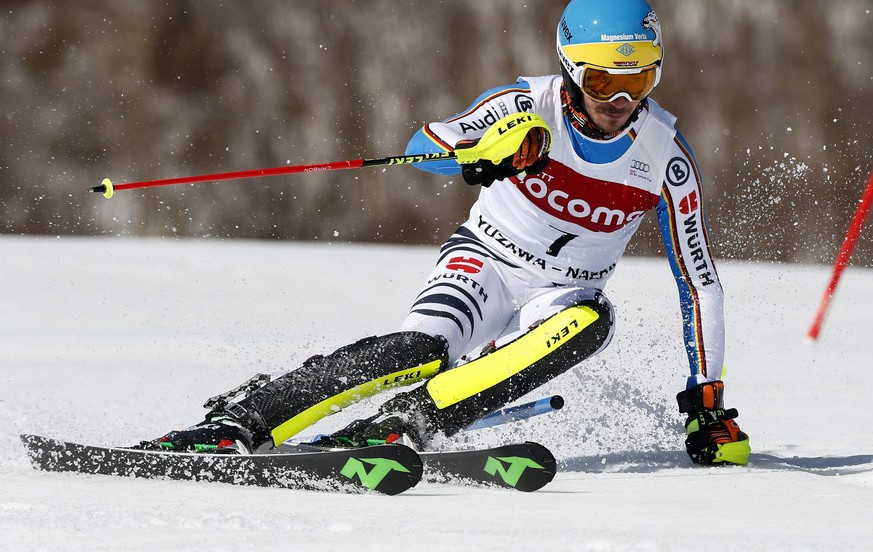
(516, 297)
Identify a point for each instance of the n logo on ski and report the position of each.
(511, 474)
(521, 466)
(381, 467)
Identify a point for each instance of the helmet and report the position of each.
(610, 48)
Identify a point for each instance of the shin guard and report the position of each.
(325, 384)
(454, 399)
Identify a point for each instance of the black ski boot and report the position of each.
(219, 433)
(377, 430)
(400, 420)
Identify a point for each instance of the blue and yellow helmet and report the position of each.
(620, 37)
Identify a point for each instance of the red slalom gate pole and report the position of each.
(843, 257)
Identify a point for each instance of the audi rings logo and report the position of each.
(640, 166)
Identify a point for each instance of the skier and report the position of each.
(516, 297)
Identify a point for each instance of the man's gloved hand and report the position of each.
(712, 435)
(531, 157)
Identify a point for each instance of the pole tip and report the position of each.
(106, 188)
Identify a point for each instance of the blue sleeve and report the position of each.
(701, 299)
(686, 292)
(419, 144)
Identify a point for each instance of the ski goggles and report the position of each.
(606, 85)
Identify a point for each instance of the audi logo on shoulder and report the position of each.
(640, 166)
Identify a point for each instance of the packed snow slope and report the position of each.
(113, 340)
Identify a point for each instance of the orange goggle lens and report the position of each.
(604, 86)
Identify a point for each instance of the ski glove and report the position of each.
(530, 158)
(712, 435)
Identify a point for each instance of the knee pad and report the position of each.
(325, 384)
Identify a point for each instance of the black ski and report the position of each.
(522, 466)
(388, 469)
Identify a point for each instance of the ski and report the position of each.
(524, 467)
(387, 469)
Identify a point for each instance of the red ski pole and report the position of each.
(502, 139)
(107, 188)
(843, 257)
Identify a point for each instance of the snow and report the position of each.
(113, 340)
